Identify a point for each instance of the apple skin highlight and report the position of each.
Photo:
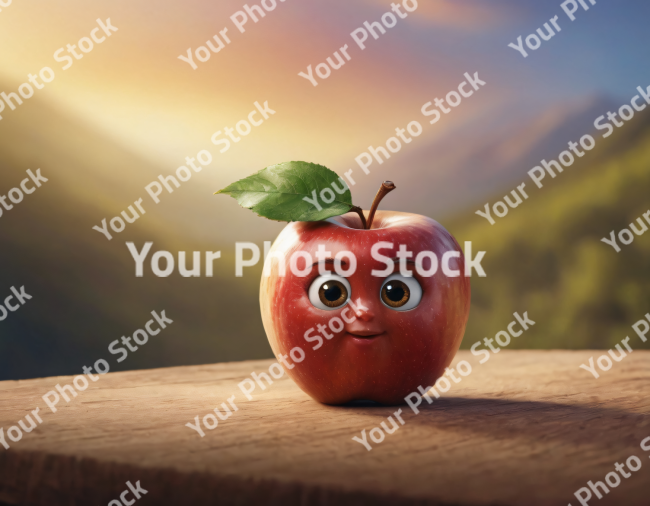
(407, 349)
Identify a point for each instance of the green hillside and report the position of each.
(85, 295)
(546, 257)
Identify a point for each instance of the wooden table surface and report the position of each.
(525, 428)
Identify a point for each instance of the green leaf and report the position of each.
(278, 192)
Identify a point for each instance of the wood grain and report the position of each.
(525, 428)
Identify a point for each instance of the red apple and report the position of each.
(383, 353)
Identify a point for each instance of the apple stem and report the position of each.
(385, 188)
(359, 211)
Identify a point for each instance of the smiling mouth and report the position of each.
(365, 334)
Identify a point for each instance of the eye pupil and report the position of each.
(395, 293)
(333, 293)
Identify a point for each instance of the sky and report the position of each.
(133, 89)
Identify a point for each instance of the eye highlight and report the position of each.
(400, 293)
(329, 292)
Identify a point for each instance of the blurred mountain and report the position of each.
(546, 256)
(467, 164)
(83, 287)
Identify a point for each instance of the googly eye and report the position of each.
(329, 292)
(401, 293)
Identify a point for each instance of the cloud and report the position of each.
(463, 14)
